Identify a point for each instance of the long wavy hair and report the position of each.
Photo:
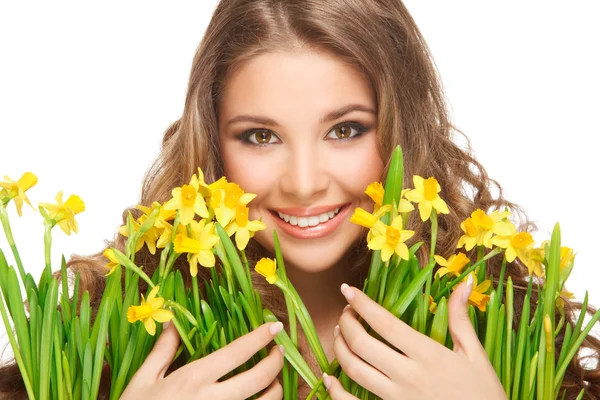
(381, 40)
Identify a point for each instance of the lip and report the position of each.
(313, 232)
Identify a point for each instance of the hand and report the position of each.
(426, 370)
(199, 379)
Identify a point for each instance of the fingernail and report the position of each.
(326, 381)
(345, 308)
(336, 331)
(166, 325)
(347, 291)
(468, 288)
(276, 328)
(281, 349)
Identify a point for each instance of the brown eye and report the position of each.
(346, 131)
(343, 132)
(263, 137)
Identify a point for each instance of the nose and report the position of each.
(305, 177)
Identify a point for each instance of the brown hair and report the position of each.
(380, 39)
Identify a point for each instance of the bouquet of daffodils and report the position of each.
(62, 355)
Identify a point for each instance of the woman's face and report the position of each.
(299, 131)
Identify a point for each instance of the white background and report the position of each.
(86, 92)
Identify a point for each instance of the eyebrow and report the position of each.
(330, 116)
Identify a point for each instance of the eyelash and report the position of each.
(360, 129)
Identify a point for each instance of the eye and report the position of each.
(344, 130)
(258, 137)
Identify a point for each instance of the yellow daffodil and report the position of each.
(478, 298)
(480, 227)
(199, 246)
(268, 268)
(64, 213)
(364, 218)
(189, 200)
(164, 215)
(390, 239)
(534, 260)
(149, 311)
(470, 238)
(453, 265)
(432, 305)
(165, 230)
(560, 301)
(405, 205)
(112, 265)
(376, 191)
(426, 195)
(149, 237)
(16, 190)
(224, 199)
(516, 245)
(243, 228)
(567, 257)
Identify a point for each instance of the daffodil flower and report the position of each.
(199, 246)
(113, 264)
(478, 297)
(243, 228)
(390, 239)
(268, 268)
(224, 199)
(534, 260)
(165, 232)
(453, 265)
(16, 190)
(149, 311)
(375, 191)
(149, 237)
(479, 228)
(516, 245)
(426, 195)
(189, 201)
(63, 214)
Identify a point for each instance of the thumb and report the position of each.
(461, 329)
(335, 389)
(158, 361)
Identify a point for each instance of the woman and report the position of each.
(294, 63)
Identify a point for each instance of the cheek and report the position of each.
(253, 174)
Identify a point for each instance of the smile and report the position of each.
(321, 223)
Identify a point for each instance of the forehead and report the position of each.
(308, 82)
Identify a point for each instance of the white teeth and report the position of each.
(313, 220)
(302, 222)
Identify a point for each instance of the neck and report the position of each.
(320, 292)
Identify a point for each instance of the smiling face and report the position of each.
(299, 131)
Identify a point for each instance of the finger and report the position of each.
(395, 331)
(158, 361)
(358, 370)
(252, 381)
(273, 392)
(237, 352)
(376, 353)
(335, 389)
(461, 329)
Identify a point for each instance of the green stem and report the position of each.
(16, 350)
(11, 240)
(48, 243)
(434, 232)
(307, 325)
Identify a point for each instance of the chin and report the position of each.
(314, 255)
